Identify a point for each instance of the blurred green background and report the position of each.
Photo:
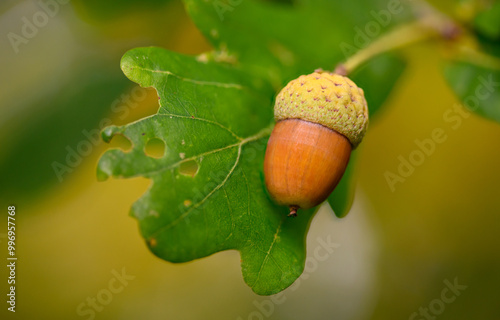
(396, 250)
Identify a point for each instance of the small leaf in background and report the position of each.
(487, 29)
(342, 197)
(477, 87)
(488, 22)
(377, 79)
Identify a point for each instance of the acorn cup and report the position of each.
(320, 118)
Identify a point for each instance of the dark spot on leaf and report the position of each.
(153, 242)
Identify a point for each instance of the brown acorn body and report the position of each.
(304, 162)
(320, 118)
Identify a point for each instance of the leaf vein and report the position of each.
(268, 254)
(198, 204)
(259, 135)
(203, 120)
(200, 82)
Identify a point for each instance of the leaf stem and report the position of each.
(430, 24)
(400, 37)
(477, 57)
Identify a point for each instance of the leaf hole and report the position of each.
(189, 168)
(155, 148)
(119, 141)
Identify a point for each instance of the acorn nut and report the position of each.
(320, 118)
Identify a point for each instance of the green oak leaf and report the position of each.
(215, 117)
(477, 87)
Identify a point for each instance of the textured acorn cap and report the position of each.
(328, 99)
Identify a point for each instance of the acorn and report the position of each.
(320, 118)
